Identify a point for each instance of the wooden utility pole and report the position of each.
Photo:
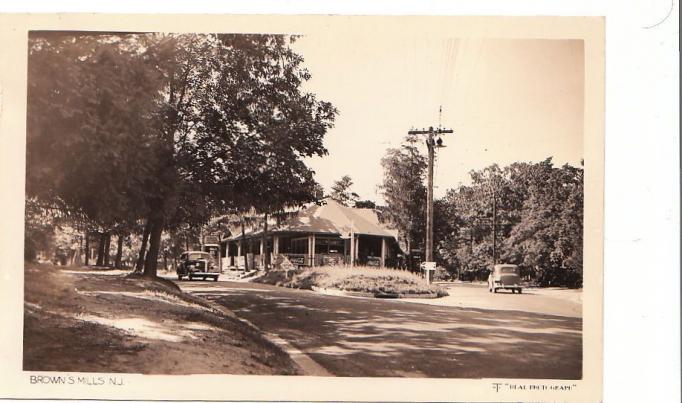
(494, 229)
(493, 184)
(431, 144)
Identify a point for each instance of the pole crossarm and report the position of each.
(430, 130)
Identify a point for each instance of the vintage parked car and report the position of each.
(197, 264)
(505, 277)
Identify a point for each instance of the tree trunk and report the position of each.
(87, 248)
(241, 241)
(100, 249)
(165, 260)
(143, 248)
(266, 258)
(408, 254)
(154, 246)
(107, 248)
(119, 251)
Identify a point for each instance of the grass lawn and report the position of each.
(358, 279)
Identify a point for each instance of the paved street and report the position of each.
(550, 301)
(376, 337)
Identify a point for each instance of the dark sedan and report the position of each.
(196, 264)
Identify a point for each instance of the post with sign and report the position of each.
(429, 270)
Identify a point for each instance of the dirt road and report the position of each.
(374, 337)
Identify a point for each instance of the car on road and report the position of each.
(505, 277)
(197, 264)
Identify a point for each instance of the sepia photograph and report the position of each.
(334, 201)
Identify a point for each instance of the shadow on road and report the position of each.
(366, 337)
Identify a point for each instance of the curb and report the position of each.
(359, 294)
(307, 364)
(420, 296)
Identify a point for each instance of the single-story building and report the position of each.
(319, 235)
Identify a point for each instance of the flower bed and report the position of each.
(372, 280)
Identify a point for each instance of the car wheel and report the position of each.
(179, 277)
(215, 278)
(495, 290)
(519, 291)
(190, 277)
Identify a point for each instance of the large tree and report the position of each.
(169, 129)
(549, 235)
(91, 103)
(342, 193)
(234, 114)
(526, 213)
(404, 193)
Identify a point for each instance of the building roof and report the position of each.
(331, 217)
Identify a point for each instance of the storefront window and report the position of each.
(299, 245)
(328, 245)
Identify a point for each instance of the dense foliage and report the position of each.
(530, 214)
(164, 131)
(405, 194)
(538, 222)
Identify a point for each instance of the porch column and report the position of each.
(312, 250)
(262, 253)
(383, 252)
(345, 251)
(275, 245)
(352, 251)
(357, 247)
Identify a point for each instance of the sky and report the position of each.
(507, 100)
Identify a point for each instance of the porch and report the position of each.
(311, 250)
